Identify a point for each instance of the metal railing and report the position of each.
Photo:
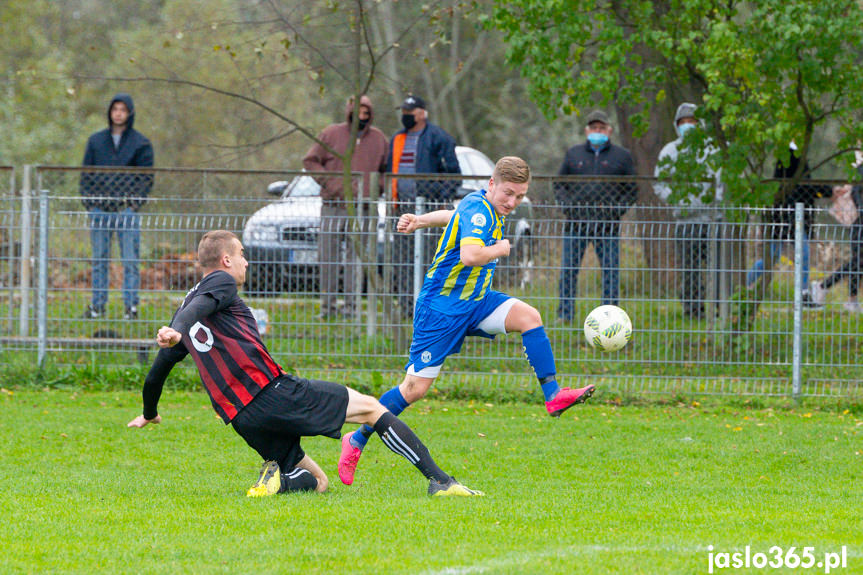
(708, 317)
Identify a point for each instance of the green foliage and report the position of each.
(768, 72)
(616, 490)
(295, 57)
(45, 111)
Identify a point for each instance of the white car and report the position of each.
(281, 239)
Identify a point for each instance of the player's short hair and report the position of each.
(512, 169)
(213, 245)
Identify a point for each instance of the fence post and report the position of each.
(388, 271)
(418, 251)
(26, 231)
(724, 241)
(797, 342)
(42, 295)
(10, 280)
(372, 247)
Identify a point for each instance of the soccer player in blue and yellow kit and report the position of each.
(456, 301)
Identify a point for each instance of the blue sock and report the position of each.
(537, 349)
(395, 402)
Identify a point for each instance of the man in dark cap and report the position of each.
(420, 148)
(593, 209)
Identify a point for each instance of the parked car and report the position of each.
(281, 239)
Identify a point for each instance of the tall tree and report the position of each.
(764, 74)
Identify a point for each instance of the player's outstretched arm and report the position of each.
(409, 223)
(165, 361)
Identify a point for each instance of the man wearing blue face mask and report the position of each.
(694, 209)
(593, 209)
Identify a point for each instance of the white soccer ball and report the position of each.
(608, 328)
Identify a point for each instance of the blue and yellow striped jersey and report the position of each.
(449, 284)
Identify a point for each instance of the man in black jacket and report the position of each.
(593, 209)
(113, 200)
(780, 220)
(420, 148)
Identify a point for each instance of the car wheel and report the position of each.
(264, 280)
(301, 279)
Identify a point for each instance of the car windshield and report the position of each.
(474, 163)
(303, 187)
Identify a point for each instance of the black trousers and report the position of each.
(693, 252)
(853, 268)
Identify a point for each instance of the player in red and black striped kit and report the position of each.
(269, 408)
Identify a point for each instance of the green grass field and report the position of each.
(605, 489)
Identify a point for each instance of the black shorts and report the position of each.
(287, 409)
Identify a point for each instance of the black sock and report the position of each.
(365, 431)
(298, 479)
(399, 438)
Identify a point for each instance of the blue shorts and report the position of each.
(438, 334)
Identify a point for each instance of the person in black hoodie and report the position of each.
(853, 268)
(593, 209)
(780, 224)
(113, 200)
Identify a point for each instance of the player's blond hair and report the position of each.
(213, 246)
(512, 169)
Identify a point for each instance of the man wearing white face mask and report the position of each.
(694, 210)
(593, 209)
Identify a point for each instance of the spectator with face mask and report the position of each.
(593, 209)
(694, 211)
(420, 148)
(369, 155)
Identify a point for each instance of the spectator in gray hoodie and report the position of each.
(694, 210)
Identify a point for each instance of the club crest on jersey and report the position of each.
(478, 220)
(202, 337)
(426, 356)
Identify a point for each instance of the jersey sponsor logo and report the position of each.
(478, 220)
(202, 337)
(426, 356)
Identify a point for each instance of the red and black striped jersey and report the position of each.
(233, 361)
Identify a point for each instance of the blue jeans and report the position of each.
(774, 251)
(127, 225)
(606, 242)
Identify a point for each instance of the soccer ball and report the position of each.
(607, 328)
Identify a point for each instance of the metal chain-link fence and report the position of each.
(10, 247)
(717, 303)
